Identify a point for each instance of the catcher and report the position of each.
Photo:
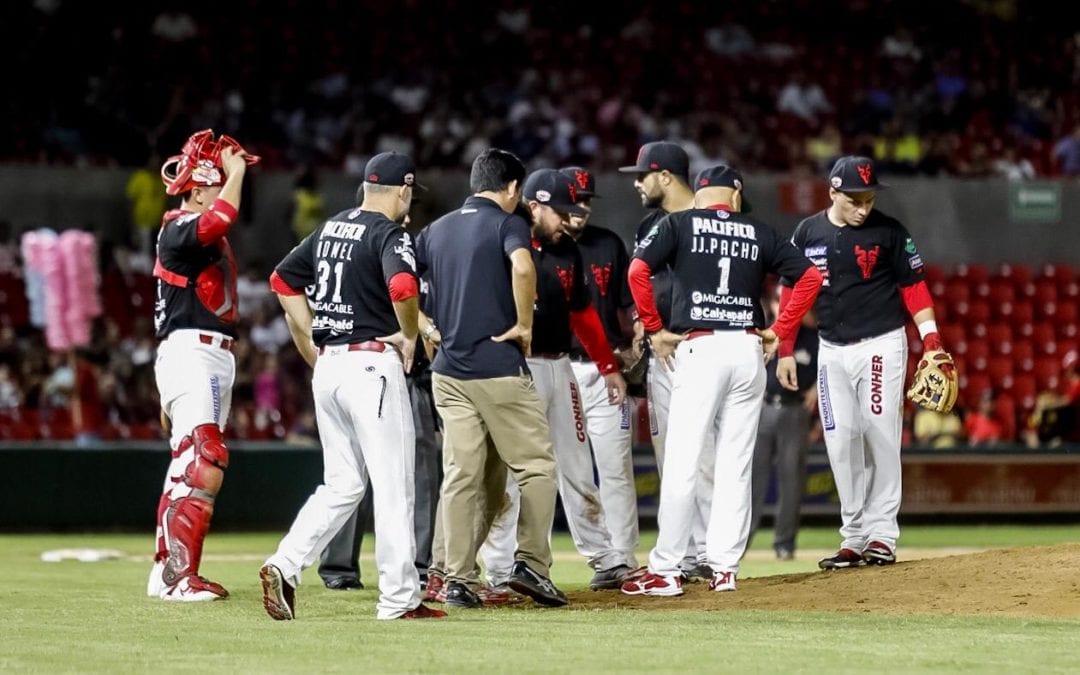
(195, 319)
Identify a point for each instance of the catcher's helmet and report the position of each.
(199, 163)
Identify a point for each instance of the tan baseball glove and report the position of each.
(935, 385)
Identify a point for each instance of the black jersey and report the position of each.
(862, 270)
(661, 278)
(606, 263)
(719, 260)
(196, 282)
(560, 289)
(347, 263)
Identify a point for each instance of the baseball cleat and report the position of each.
(879, 553)
(699, 572)
(155, 585)
(536, 586)
(422, 611)
(843, 559)
(654, 584)
(436, 589)
(344, 584)
(194, 588)
(609, 578)
(722, 581)
(279, 597)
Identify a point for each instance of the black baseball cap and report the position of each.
(586, 181)
(661, 156)
(391, 168)
(722, 175)
(854, 173)
(551, 188)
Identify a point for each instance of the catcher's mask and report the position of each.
(199, 163)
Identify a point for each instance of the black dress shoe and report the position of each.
(460, 595)
(343, 584)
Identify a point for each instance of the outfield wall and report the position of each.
(51, 487)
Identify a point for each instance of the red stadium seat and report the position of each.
(973, 273)
(953, 337)
(1069, 290)
(1043, 333)
(978, 312)
(1061, 274)
(1000, 291)
(1017, 275)
(1000, 334)
(1023, 312)
(1047, 371)
(972, 386)
(1023, 356)
(1006, 413)
(1024, 391)
(957, 291)
(978, 355)
(1066, 312)
(935, 274)
(1045, 291)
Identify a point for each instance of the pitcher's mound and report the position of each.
(1030, 582)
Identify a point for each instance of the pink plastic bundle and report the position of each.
(78, 252)
(62, 285)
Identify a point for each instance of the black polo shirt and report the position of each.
(606, 263)
(863, 269)
(466, 255)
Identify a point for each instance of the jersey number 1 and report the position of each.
(725, 276)
(324, 280)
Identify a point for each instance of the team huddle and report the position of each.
(524, 318)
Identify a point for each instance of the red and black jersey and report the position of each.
(560, 289)
(606, 263)
(346, 265)
(863, 268)
(718, 262)
(661, 277)
(196, 280)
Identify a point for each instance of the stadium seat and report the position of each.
(1006, 413)
(972, 386)
(957, 291)
(1000, 291)
(1017, 275)
(1059, 273)
(1043, 333)
(1045, 291)
(1047, 370)
(1023, 312)
(973, 273)
(952, 335)
(1024, 391)
(1000, 337)
(978, 355)
(1066, 312)
(1023, 356)
(935, 274)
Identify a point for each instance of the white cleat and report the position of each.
(155, 585)
(722, 581)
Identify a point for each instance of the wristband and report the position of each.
(927, 327)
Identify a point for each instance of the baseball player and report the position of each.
(604, 259)
(872, 272)
(562, 307)
(663, 180)
(719, 258)
(360, 337)
(195, 318)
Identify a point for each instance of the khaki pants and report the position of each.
(486, 421)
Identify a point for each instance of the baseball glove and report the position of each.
(935, 385)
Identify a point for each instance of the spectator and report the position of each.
(982, 425)
(937, 430)
(1067, 153)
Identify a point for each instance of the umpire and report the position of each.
(782, 440)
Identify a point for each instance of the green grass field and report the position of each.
(94, 617)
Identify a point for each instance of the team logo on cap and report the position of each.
(836, 182)
(205, 172)
(573, 192)
(582, 178)
(543, 196)
(703, 182)
(654, 166)
(866, 172)
(373, 178)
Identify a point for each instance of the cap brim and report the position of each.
(573, 209)
(867, 188)
(636, 169)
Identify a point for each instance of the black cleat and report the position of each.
(344, 584)
(843, 559)
(460, 595)
(536, 586)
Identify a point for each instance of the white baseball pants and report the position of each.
(719, 379)
(366, 428)
(612, 447)
(861, 400)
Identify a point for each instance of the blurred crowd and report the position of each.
(952, 87)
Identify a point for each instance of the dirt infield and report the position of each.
(1030, 582)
